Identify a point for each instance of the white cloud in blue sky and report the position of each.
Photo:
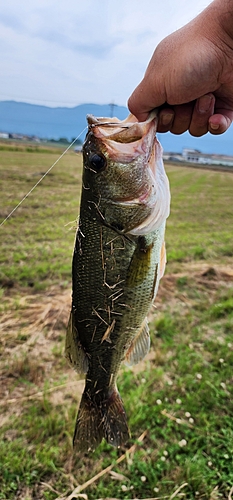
(71, 52)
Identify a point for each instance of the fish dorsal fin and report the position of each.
(140, 345)
(73, 349)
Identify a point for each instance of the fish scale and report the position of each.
(118, 259)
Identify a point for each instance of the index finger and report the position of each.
(143, 100)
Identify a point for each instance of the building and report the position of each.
(195, 156)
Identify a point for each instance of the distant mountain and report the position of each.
(51, 123)
(54, 123)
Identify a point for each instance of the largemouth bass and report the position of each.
(119, 258)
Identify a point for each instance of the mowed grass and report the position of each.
(37, 240)
(179, 400)
(201, 214)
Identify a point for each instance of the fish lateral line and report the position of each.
(101, 248)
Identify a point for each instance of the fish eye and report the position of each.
(97, 162)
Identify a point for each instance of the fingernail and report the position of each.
(204, 103)
(214, 126)
(166, 118)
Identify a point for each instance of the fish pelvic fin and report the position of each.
(95, 422)
(140, 345)
(73, 349)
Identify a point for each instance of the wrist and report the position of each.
(219, 20)
(225, 8)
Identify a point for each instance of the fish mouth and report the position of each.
(124, 140)
(113, 126)
(147, 187)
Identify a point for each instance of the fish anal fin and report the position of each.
(73, 349)
(140, 345)
(95, 421)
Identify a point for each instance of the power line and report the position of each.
(41, 179)
(23, 99)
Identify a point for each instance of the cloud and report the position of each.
(91, 48)
(73, 52)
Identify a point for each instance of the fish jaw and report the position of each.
(124, 141)
(132, 191)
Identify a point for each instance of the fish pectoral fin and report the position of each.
(141, 263)
(107, 419)
(163, 260)
(73, 349)
(140, 345)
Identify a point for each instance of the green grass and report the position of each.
(181, 395)
(201, 215)
(37, 240)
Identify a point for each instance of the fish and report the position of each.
(119, 258)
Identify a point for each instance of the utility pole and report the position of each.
(112, 106)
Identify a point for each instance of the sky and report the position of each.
(66, 53)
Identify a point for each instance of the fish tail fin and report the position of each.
(116, 431)
(88, 432)
(95, 422)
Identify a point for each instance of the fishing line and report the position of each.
(110, 124)
(41, 179)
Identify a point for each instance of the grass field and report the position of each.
(179, 401)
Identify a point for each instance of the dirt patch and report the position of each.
(32, 335)
(209, 276)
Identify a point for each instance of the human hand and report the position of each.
(190, 77)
